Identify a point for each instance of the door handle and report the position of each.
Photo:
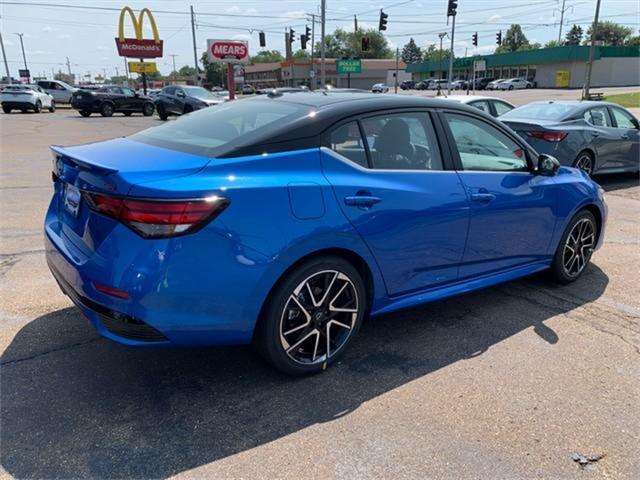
(482, 197)
(361, 200)
(595, 134)
(624, 136)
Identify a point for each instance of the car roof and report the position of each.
(470, 98)
(576, 103)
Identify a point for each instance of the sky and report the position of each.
(86, 36)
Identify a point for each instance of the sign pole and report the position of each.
(144, 79)
(231, 81)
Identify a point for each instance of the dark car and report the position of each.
(422, 85)
(481, 83)
(284, 220)
(179, 100)
(597, 137)
(108, 100)
(266, 91)
(408, 85)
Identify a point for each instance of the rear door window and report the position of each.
(481, 105)
(347, 141)
(598, 117)
(623, 119)
(501, 108)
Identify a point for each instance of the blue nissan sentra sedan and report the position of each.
(286, 219)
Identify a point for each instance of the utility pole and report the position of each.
(69, 68)
(24, 57)
(126, 69)
(441, 36)
(6, 64)
(592, 48)
(397, 60)
(195, 48)
(561, 21)
(313, 65)
(173, 73)
(453, 33)
(323, 20)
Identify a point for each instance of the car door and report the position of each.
(629, 146)
(48, 87)
(605, 138)
(180, 99)
(512, 214)
(44, 97)
(131, 101)
(399, 191)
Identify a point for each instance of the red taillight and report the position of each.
(110, 290)
(549, 136)
(158, 218)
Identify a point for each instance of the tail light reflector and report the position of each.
(548, 136)
(151, 218)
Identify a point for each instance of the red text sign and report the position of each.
(133, 48)
(228, 51)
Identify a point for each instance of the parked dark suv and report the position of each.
(108, 100)
(481, 83)
(179, 99)
(407, 85)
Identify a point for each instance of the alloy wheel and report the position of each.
(319, 317)
(585, 163)
(578, 247)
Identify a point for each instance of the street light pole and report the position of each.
(441, 35)
(24, 57)
(6, 64)
(195, 48)
(594, 28)
(453, 33)
(323, 18)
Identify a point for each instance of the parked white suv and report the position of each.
(514, 84)
(26, 97)
(60, 91)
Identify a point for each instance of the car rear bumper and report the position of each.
(17, 104)
(188, 291)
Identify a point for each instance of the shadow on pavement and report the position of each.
(76, 406)
(617, 181)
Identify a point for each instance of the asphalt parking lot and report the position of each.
(523, 380)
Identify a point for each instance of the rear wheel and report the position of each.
(6, 109)
(38, 106)
(106, 110)
(312, 316)
(52, 107)
(575, 248)
(147, 109)
(585, 161)
(85, 113)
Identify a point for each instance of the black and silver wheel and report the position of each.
(510, 87)
(147, 109)
(127, 114)
(162, 112)
(585, 161)
(85, 113)
(312, 316)
(575, 249)
(37, 108)
(52, 107)
(6, 109)
(106, 110)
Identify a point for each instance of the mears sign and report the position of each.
(138, 47)
(228, 51)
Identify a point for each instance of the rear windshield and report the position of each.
(219, 129)
(198, 92)
(541, 111)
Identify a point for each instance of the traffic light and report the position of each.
(263, 41)
(451, 8)
(307, 33)
(382, 24)
(292, 35)
(366, 43)
(474, 39)
(303, 42)
(499, 38)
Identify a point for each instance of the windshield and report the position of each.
(217, 130)
(198, 92)
(540, 111)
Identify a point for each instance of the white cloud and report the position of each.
(234, 9)
(241, 36)
(101, 48)
(47, 28)
(494, 18)
(295, 14)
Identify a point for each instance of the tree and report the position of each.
(553, 44)
(633, 41)
(341, 43)
(610, 33)
(574, 36)
(433, 53)
(151, 76)
(411, 53)
(301, 55)
(117, 80)
(514, 40)
(267, 56)
(214, 72)
(186, 71)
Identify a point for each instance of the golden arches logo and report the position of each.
(137, 23)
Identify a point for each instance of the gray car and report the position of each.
(59, 90)
(597, 137)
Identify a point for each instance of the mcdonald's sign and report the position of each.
(138, 47)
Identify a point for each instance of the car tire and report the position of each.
(162, 113)
(292, 330)
(52, 107)
(127, 114)
(85, 113)
(510, 87)
(575, 248)
(528, 85)
(106, 110)
(6, 109)
(37, 108)
(586, 162)
(147, 109)
(187, 109)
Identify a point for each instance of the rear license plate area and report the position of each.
(72, 198)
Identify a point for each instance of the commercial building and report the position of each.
(561, 67)
(299, 72)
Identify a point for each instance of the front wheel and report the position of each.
(106, 110)
(147, 110)
(85, 113)
(575, 248)
(6, 109)
(37, 107)
(312, 316)
(162, 112)
(510, 87)
(52, 107)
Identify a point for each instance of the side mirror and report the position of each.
(547, 165)
(180, 94)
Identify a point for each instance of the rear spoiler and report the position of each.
(71, 158)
